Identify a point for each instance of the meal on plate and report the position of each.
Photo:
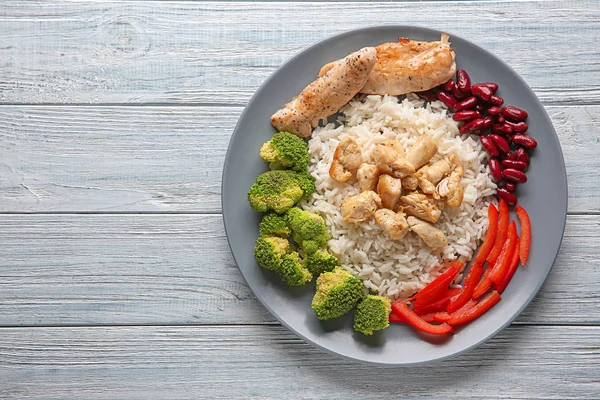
(400, 208)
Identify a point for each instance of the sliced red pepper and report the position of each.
(441, 316)
(468, 305)
(482, 287)
(502, 232)
(514, 264)
(525, 242)
(393, 317)
(436, 289)
(417, 322)
(486, 282)
(439, 305)
(476, 269)
(503, 264)
(476, 311)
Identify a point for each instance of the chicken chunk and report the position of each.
(393, 224)
(390, 161)
(421, 206)
(390, 190)
(327, 94)
(346, 160)
(421, 152)
(360, 207)
(367, 176)
(409, 66)
(430, 175)
(450, 187)
(432, 236)
(410, 182)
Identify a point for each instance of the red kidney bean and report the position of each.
(495, 169)
(429, 95)
(524, 140)
(511, 187)
(500, 143)
(463, 81)
(459, 94)
(500, 119)
(494, 110)
(520, 165)
(518, 127)
(514, 175)
(446, 98)
(481, 91)
(466, 115)
(521, 155)
(493, 86)
(466, 104)
(474, 126)
(502, 128)
(489, 146)
(448, 86)
(507, 196)
(496, 100)
(514, 114)
(487, 122)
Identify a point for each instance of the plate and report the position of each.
(544, 197)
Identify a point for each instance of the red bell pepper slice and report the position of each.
(417, 322)
(525, 242)
(441, 316)
(476, 269)
(486, 282)
(476, 311)
(393, 317)
(436, 289)
(503, 264)
(514, 264)
(502, 232)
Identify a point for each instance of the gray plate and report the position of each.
(544, 196)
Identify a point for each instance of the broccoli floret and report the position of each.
(274, 224)
(308, 229)
(293, 270)
(321, 261)
(279, 190)
(269, 251)
(285, 150)
(337, 293)
(372, 314)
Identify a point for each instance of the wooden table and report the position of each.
(116, 280)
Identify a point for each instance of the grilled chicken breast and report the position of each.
(327, 94)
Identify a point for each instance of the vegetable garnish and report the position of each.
(514, 264)
(502, 232)
(503, 264)
(400, 308)
(436, 289)
(525, 241)
(476, 311)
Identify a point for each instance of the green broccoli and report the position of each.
(372, 314)
(293, 270)
(279, 190)
(337, 293)
(285, 150)
(308, 229)
(274, 224)
(321, 261)
(270, 250)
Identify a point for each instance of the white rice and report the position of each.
(387, 267)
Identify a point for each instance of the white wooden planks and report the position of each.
(169, 159)
(219, 53)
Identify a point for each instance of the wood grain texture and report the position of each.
(268, 362)
(132, 159)
(177, 269)
(185, 52)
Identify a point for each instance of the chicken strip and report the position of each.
(409, 66)
(390, 161)
(410, 182)
(432, 236)
(420, 206)
(421, 152)
(360, 207)
(390, 190)
(393, 224)
(450, 187)
(367, 176)
(430, 175)
(346, 160)
(327, 94)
